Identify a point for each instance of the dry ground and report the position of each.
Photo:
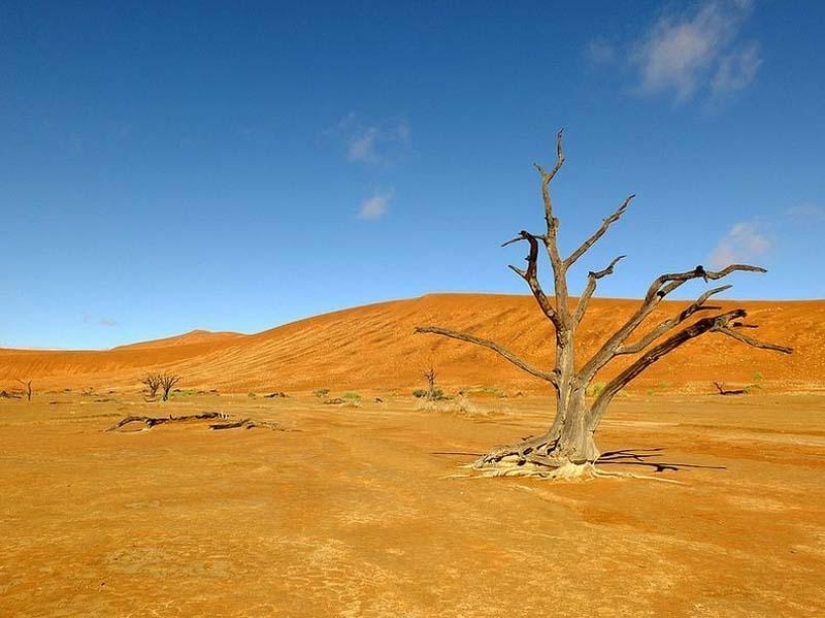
(353, 515)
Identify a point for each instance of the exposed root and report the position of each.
(534, 459)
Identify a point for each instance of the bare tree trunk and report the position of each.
(28, 386)
(568, 449)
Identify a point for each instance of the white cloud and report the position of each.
(696, 50)
(744, 242)
(378, 143)
(375, 207)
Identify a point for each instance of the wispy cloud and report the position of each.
(107, 322)
(375, 207)
(379, 143)
(600, 51)
(736, 71)
(744, 242)
(806, 213)
(688, 53)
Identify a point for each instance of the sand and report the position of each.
(375, 347)
(357, 512)
(354, 514)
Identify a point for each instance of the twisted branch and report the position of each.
(718, 323)
(530, 276)
(552, 223)
(661, 329)
(592, 278)
(585, 246)
(491, 345)
(658, 290)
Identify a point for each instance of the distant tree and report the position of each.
(152, 382)
(430, 376)
(28, 387)
(167, 381)
(567, 448)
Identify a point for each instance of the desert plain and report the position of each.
(362, 508)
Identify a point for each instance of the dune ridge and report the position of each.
(374, 347)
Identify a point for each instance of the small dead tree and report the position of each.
(429, 375)
(568, 449)
(152, 383)
(727, 391)
(28, 387)
(167, 381)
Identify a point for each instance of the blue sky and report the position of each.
(236, 166)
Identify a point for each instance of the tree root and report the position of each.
(532, 459)
(152, 421)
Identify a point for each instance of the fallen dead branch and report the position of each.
(151, 421)
(248, 423)
(726, 391)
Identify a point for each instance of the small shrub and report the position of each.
(351, 396)
(596, 389)
(321, 393)
(423, 393)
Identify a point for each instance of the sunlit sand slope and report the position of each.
(375, 347)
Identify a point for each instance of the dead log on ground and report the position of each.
(724, 391)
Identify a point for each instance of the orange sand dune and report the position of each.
(195, 336)
(374, 347)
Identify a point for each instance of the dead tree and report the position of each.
(567, 448)
(152, 382)
(429, 375)
(726, 391)
(167, 381)
(28, 386)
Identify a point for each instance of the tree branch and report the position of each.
(718, 323)
(531, 277)
(658, 290)
(550, 243)
(592, 278)
(490, 345)
(661, 329)
(754, 342)
(585, 246)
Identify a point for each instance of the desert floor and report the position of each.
(355, 514)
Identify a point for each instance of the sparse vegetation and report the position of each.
(152, 383)
(321, 393)
(28, 389)
(595, 389)
(167, 381)
(435, 395)
(429, 375)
